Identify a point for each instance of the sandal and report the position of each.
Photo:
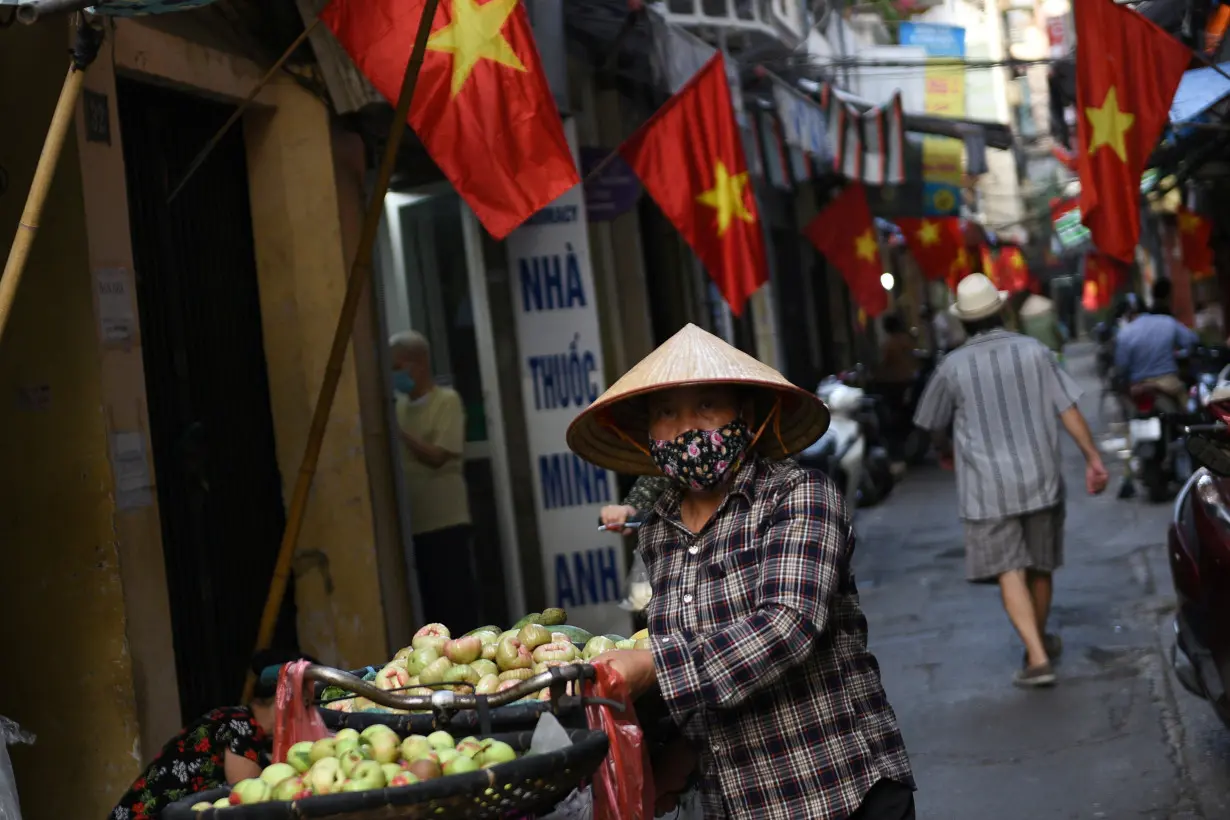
(1032, 677)
(1053, 645)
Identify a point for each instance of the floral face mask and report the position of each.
(702, 459)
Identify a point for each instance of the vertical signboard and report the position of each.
(561, 374)
(944, 96)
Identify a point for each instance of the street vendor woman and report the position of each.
(758, 645)
(226, 745)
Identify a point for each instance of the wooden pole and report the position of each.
(204, 153)
(360, 273)
(27, 228)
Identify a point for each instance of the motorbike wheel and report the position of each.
(1157, 484)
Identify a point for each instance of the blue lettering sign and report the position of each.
(564, 379)
(567, 480)
(551, 282)
(554, 215)
(590, 577)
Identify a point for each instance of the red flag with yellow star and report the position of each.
(1011, 270)
(1194, 232)
(936, 244)
(1127, 70)
(1104, 275)
(845, 233)
(989, 269)
(689, 156)
(482, 107)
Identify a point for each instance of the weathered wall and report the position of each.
(68, 674)
(301, 262)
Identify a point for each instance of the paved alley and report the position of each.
(1117, 738)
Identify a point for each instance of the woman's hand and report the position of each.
(614, 516)
(635, 666)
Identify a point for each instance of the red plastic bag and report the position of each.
(296, 718)
(623, 784)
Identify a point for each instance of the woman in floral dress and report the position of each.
(225, 745)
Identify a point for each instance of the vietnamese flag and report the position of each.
(845, 233)
(482, 107)
(1127, 70)
(1104, 275)
(1011, 270)
(689, 157)
(961, 267)
(935, 243)
(1194, 233)
(989, 268)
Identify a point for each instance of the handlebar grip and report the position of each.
(269, 675)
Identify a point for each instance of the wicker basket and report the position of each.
(529, 784)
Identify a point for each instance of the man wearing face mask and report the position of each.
(431, 422)
(757, 642)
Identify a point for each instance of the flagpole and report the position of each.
(204, 153)
(1210, 64)
(360, 273)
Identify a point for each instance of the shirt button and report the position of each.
(717, 747)
(687, 599)
(693, 549)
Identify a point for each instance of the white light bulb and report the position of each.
(887, 281)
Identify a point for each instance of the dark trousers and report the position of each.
(887, 800)
(448, 580)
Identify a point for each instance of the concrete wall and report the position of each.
(68, 672)
(83, 591)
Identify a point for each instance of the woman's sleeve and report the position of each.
(646, 492)
(243, 736)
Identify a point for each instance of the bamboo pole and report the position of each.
(27, 228)
(360, 273)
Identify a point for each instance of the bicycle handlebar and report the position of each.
(442, 700)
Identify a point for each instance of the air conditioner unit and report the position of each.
(782, 20)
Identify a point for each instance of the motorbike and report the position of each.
(848, 452)
(1199, 555)
(1159, 455)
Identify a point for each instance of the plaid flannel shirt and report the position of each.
(761, 649)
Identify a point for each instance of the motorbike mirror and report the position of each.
(1211, 453)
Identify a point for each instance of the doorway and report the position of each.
(432, 280)
(211, 428)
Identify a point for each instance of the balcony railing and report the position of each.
(782, 20)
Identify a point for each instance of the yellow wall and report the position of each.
(67, 673)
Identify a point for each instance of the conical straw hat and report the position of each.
(691, 357)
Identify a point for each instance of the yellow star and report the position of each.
(1017, 261)
(866, 246)
(1109, 123)
(1189, 223)
(928, 234)
(962, 260)
(727, 197)
(473, 35)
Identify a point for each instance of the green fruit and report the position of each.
(626, 643)
(434, 673)
(420, 659)
(299, 756)
(576, 634)
(288, 789)
(596, 646)
(487, 685)
(325, 747)
(367, 775)
(202, 806)
(441, 740)
(463, 673)
(552, 616)
(642, 643)
(494, 630)
(390, 770)
(532, 618)
(350, 760)
(533, 636)
(250, 791)
(373, 730)
(346, 744)
(469, 746)
(445, 756)
(222, 803)
(484, 668)
(615, 638)
(275, 774)
(495, 751)
(460, 765)
(415, 747)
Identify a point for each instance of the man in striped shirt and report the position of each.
(1004, 397)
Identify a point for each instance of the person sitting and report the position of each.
(1145, 351)
(225, 745)
(758, 645)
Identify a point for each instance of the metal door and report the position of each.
(219, 488)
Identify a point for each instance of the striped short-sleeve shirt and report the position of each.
(1002, 393)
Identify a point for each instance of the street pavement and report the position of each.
(1116, 738)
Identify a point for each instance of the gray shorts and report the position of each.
(1031, 541)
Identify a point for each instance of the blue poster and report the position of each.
(938, 40)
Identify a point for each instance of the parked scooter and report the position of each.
(849, 452)
(1199, 553)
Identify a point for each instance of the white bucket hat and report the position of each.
(977, 298)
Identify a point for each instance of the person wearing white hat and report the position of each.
(1005, 396)
(757, 642)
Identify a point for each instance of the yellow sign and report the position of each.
(944, 85)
